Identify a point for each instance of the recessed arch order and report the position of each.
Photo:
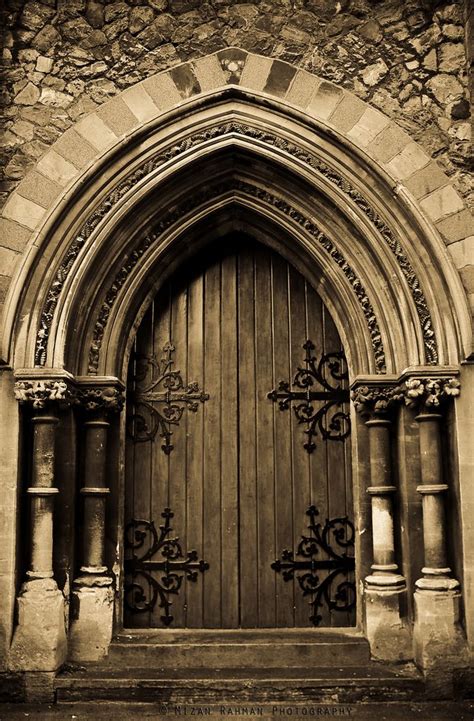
(231, 153)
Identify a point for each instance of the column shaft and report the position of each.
(94, 493)
(41, 493)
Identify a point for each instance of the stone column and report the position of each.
(93, 593)
(39, 641)
(384, 589)
(439, 640)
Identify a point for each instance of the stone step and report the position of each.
(259, 648)
(174, 687)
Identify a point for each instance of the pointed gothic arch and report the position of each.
(236, 141)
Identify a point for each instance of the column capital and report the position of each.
(43, 392)
(426, 394)
(100, 395)
(374, 398)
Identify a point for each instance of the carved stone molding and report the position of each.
(193, 202)
(106, 399)
(41, 393)
(374, 398)
(428, 393)
(265, 137)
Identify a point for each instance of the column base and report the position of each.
(439, 641)
(91, 629)
(388, 634)
(39, 642)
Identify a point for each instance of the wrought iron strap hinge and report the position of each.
(160, 404)
(332, 426)
(153, 580)
(337, 563)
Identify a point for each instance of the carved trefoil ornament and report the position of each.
(158, 404)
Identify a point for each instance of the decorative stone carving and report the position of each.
(41, 392)
(97, 399)
(106, 206)
(373, 398)
(428, 392)
(195, 201)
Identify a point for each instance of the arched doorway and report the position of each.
(238, 515)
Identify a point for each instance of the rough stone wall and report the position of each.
(61, 58)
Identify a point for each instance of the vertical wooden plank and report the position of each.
(317, 459)
(194, 447)
(300, 469)
(229, 445)
(143, 455)
(159, 473)
(335, 461)
(264, 440)
(249, 577)
(212, 449)
(177, 458)
(282, 440)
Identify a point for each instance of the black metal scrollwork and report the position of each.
(142, 589)
(168, 389)
(341, 532)
(333, 426)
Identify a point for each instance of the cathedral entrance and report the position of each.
(238, 506)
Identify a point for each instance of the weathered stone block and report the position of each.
(140, 103)
(439, 642)
(39, 642)
(91, 630)
(457, 226)
(388, 633)
(209, 72)
(388, 143)
(28, 96)
(368, 127)
(13, 235)
(411, 159)
(75, 149)
(441, 202)
(462, 252)
(426, 180)
(118, 116)
(54, 166)
(325, 100)
(23, 211)
(279, 78)
(256, 71)
(347, 113)
(302, 89)
(39, 189)
(163, 90)
(185, 80)
(96, 132)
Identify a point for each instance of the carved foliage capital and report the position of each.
(98, 399)
(428, 392)
(373, 398)
(41, 393)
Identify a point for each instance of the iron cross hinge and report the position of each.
(158, 410)
(329, 420)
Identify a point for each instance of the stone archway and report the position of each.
(238, 140)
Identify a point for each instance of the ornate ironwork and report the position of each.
(168, 389)
(343, 596)
(144, 590)
(319, 419)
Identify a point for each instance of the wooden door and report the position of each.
(223, 388)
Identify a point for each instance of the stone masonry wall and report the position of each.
(62, 58)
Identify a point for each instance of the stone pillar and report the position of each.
(93, 593)
(439, 640)
(385, 588)
(39, 641)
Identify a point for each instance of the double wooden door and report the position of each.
(238, 485)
